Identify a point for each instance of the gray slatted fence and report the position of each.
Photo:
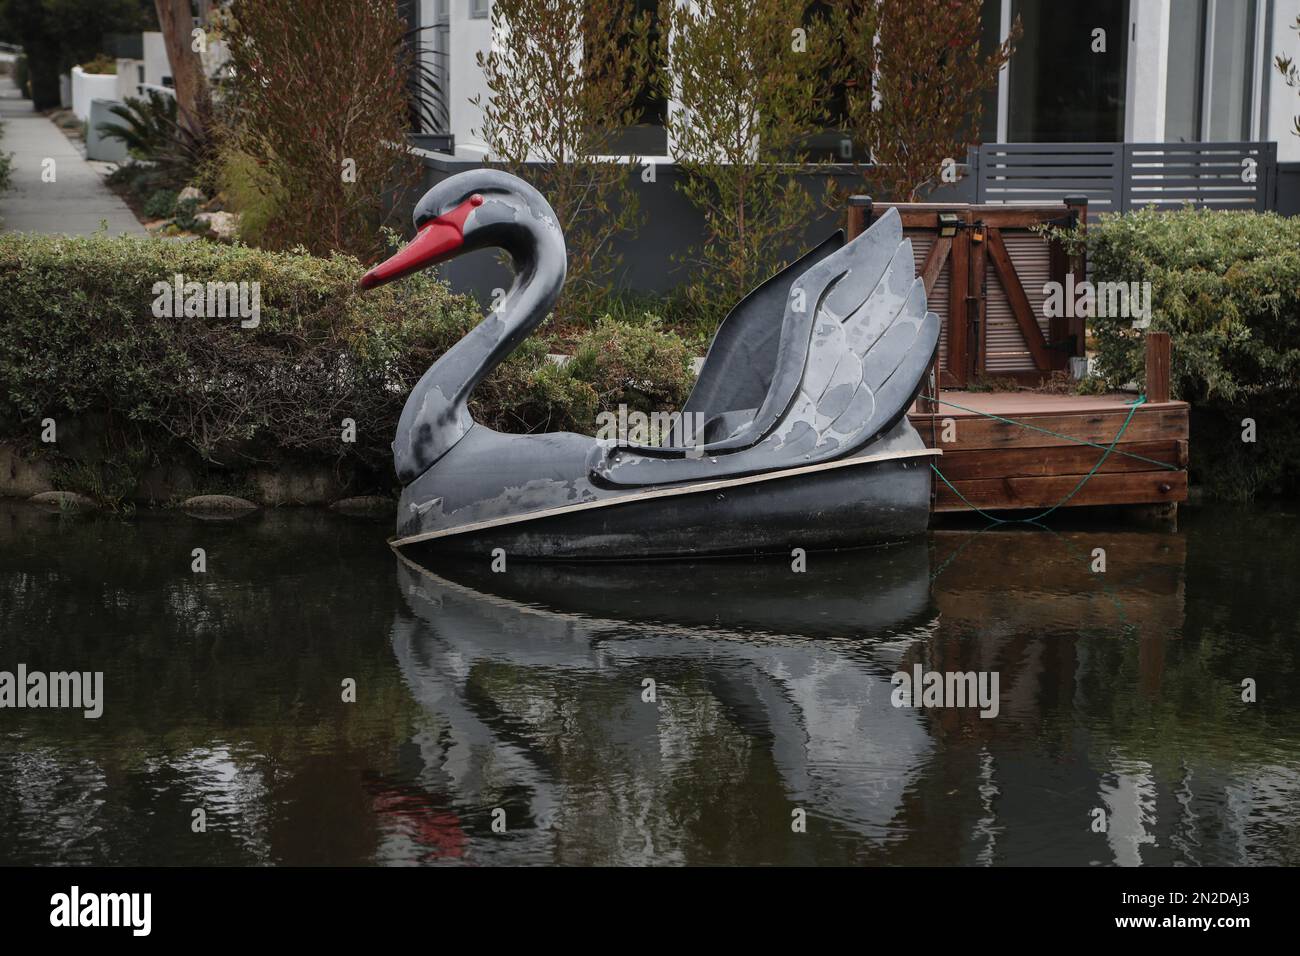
(1117, 177)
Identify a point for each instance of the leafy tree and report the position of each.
(151, 129)
(564, 77)
(58, 34)
(748, 76)
(317, 109)
(915, 77)
(193, 98)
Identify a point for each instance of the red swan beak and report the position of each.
(437, 241)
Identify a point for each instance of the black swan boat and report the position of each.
(803, 439)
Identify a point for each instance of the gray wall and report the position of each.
(671, 225)
(1288, 189)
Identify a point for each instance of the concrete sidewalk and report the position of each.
(76, 202)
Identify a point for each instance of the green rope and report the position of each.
(1048, 431)
(1141, 400)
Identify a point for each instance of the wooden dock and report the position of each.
(983, 267)
(999, 466)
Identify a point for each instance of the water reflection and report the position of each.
(797, 679)
(541, 668)
(525, 692)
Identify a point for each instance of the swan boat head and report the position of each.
(479, 209)
(810, 372)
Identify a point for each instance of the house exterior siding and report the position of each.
(1155, 90)
(1148, 97)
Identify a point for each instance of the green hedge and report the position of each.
(1226, 285)
(78, 337)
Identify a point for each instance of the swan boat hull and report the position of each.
(509, 492)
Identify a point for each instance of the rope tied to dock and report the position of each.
(1141, 399)
(1107, 450)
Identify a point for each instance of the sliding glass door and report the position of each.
(1212, 67)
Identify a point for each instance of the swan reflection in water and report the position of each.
(666, 709)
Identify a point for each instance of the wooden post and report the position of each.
(1158, 355)
(859, 216)
(1077, 203)
(958, 304)
(977, 344)
(1077, 264)
(929, 386)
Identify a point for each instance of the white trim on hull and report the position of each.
(667, 492)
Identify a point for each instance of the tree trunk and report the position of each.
(43, 73)
(192, 96)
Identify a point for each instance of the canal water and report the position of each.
(309, 698)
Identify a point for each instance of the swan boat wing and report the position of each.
(856, 341)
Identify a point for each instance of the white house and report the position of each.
(1085, 71)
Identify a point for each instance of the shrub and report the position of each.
(640, 366)
(749, 98)
(78, 338)
(248, 187)
(330, 138)
(160, 204)
(1226, 285)
(6, 164)
(549, 117)
(142, 181)
(152, 131)
(185, 216)
(101, 63)
(918, 79)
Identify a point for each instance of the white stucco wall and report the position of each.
(90, 86)
(156, 65)
(128, 77)
(1283, 102)
(1146, 82)
(468, 37)
(1148, 53)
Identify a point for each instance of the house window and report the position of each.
(478, 9)
(440, 54)
(833, 143)
(1067, 77)
(427, 25)
(646, 136)
(1230, 59)
(1186, 65)
(1210, 74)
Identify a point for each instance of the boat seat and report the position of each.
(744, 371)
(716, 428)
(817, 362)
